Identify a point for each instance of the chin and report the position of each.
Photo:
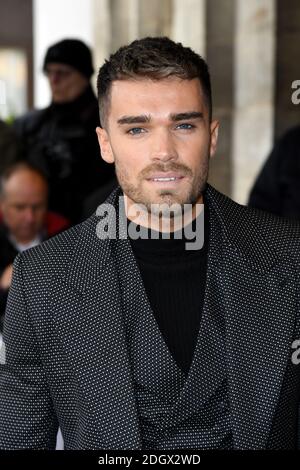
(170, 197)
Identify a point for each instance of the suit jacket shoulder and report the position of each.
(77, 254)
(253, 230)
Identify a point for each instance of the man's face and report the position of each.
(24, 205)
(66, 83)
(159, 136)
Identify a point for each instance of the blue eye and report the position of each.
(185, 126)
(135, 131)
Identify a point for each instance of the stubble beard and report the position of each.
(165, 198)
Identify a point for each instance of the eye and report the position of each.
(19, 207)
(135, 131)
(185, 126)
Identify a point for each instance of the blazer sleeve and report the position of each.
(27, 417)
(3, 300)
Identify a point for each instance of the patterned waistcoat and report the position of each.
(175, 411)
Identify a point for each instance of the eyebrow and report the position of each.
(186, 116)
(145, 118)
(134, 119)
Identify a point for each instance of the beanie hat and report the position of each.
(71, 52)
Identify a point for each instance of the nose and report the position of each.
(54, 78)
(163, 146)
(29, 215)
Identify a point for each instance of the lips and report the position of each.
(165, 177)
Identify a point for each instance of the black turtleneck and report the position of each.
(174, 279)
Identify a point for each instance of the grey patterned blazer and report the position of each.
(65, 362)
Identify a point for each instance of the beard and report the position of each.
(159, 200)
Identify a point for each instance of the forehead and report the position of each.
(24, 182)
(59, 66)
(172, 95)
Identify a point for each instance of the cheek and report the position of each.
(129, 158)
(40, 216)
(124, 167)
(199, 150)
(191, 145)
(13, 218)
(66, 87)
(68, 90)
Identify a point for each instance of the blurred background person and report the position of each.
(24, 221)
(61, 139)
(277, 188)
(9, 146)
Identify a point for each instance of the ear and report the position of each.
(214, 131)
(105, 147)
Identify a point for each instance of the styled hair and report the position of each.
(20, 165)
(155, 58)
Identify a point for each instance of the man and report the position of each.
(61, 139)
(138, 343)
(24, 221)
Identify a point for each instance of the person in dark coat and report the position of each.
(277, 188)
(61, 139)
(10, 150)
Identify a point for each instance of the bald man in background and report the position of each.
(23, 206)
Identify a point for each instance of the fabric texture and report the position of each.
(66, 356)
(54, 224)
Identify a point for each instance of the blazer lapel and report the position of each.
(207, 372)
(259, 332)
(258, 293)
(88, 320)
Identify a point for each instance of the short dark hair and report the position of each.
(20, 165)
(152, 57)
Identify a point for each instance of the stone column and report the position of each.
(253, 91)
(101, 31)
(122, 21)
(220, 56)
(189, 23)
(115, 23)
(155, 17)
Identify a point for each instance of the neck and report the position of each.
(24, 240)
